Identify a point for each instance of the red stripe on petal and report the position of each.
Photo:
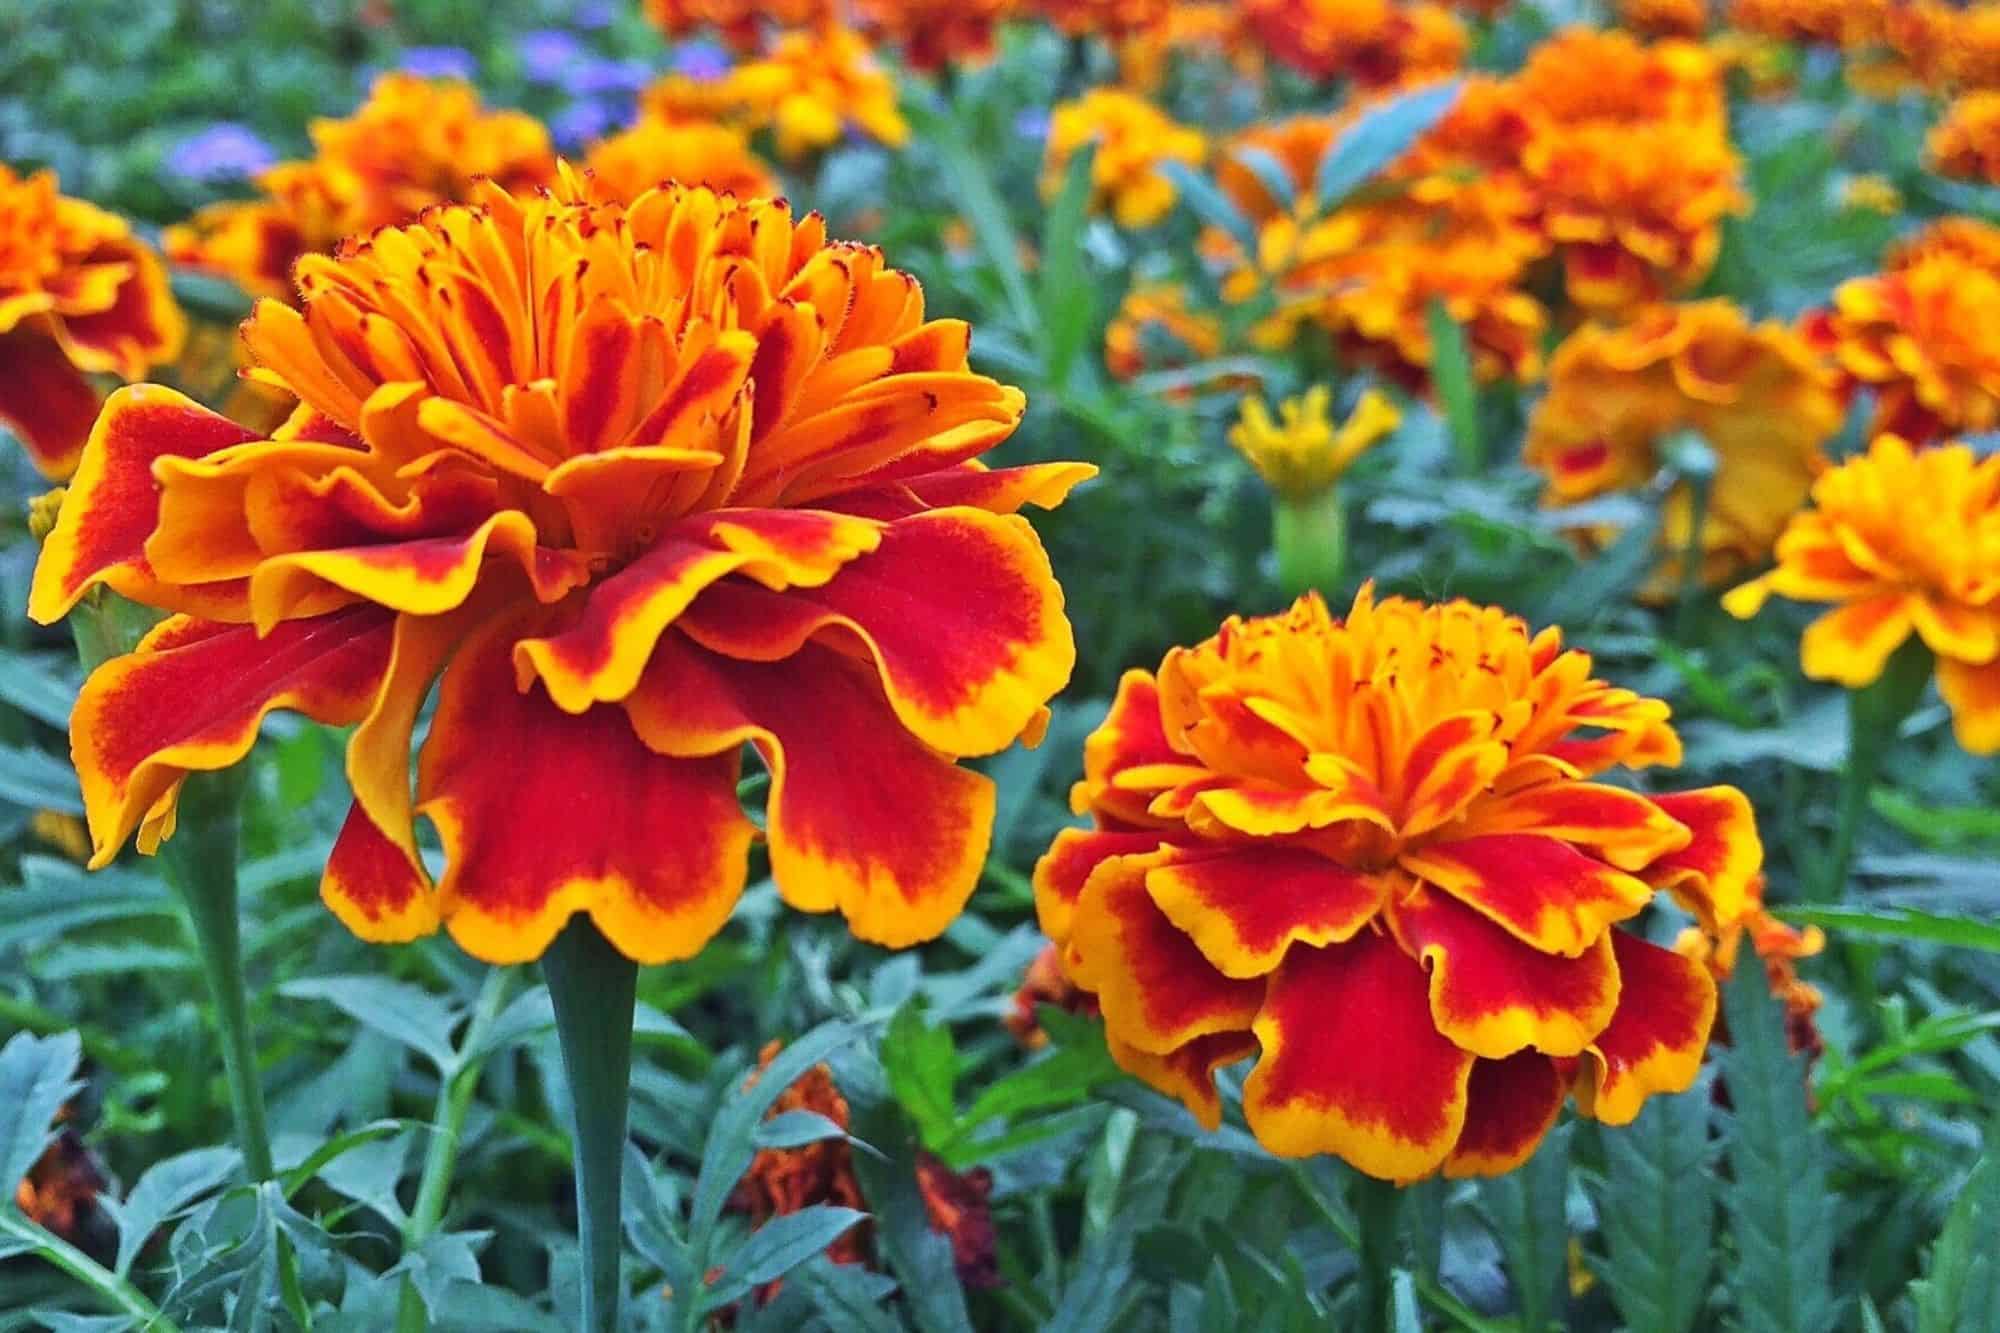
(45, 400)
(1352, 1065)
(1626, 829)
(1666, 1007)
(1244, 907)
(1712, 875)
(374, 886)
(1448, 765)
(1064, 869)
(1509, 1106)
(1131, 736)
(1542, 890)
(1187, 1073)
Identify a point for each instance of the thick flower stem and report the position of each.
(201, 863)
(594, 988)
(1873, 715)
(1310, 534)
(1378, 1206)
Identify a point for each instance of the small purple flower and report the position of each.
(225, 151)
(438, 62)
(547, 52)
(594, 14)
(1032, 123)
(595, 75)
(704, 62)
(579, 123)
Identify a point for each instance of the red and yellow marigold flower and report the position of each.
(934, 34)
(1851, 24)
(1779, 947)
(1901, 541)
(739, 23)
(1758, 396)
(80, 296)
(1155, 328)
(811, 87)
(1374, 43)
(1113, 20)
(1920, 335)
(1966, 143)
(1134, 138)
(415, 142)
(626, 165)
(1206, 29)
(1370, 854)
(1303, 452)
(643, 484)
(1664, 18)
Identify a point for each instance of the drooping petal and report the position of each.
(1952, 629)
(1130, 737)
(958, 608)
(374, 886)
(1666, 1006)
(544, 815)
(1712, 875)
(1973, 694)
(1541, 890)
(113, 504)
(1494, 995)
(1156, 990)
(862, 816)
(141, 327)
(45, 400)
(1626, 829)
(1245, 906)
(1064, 869)
(1352, 1065)
(190, 698)
(1509, 1106)
(997, 490)
(1850, 644)
(1187, 1073)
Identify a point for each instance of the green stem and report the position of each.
(1699, 487)
(115, 1291)
(594, 988)
(1874, 713)
(1378, 1206)
(1310, 535)
(1433, 1292)
(201, 863)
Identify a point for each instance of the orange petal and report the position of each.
(375, 887)
(1952, 629)
(1244, 906)
(1064, 869)
(1187, 1073)
(1352, 1065)
(1850, 644)
(1626, 829)
(1973, 695)
(996, 490)
(1509, 1106)
(1453, 761)
(1712, 876)
(1541, 890)
(45, 400)
(1666, 1006)
(140, 328)
(1129, 737)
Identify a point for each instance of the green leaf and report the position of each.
(919, 1257)
(1377, 139)
(1608, 579)
(37, 1076)
(1960, 1289)
(1451, 374)
(651, 1225)
(36, 780)
(847, 1296)
(777, 1247)
(922, 1065)
(1068, 300)
(402, 1012)
(1657, 1209)
(1270, 173)
(42, 685)
(966, 178)
(167, 1188)
(1902, 923)
(1527, 1210)
(1779, 1203)
(1211, 205)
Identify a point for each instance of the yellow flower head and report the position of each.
(1303, 452)
(1133, 138)
(1966, 143)
(626, 165)
(812, 86)
(1900, 540)
(1871, 193)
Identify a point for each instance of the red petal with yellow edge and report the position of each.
(601, 656)
(1449, 764)
(374, 887)
(1244, 907)
(113, 502)
(996, 490)
(1156, 990)
(958, 607)
(1129, 737)
(1973, 695)
(1264, 810)
(1712, 875)
(1541, 890)
(862, 817)
(544, 815)
(1188, 1073)
(1666, 1007)
(141, 328)
(1351, 1064)
(45, 400)
(1494, 995)
(1850, 644)
(1064, 869)
(1509, 1106)
(1626, 829)
(190, 697)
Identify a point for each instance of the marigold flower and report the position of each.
(1375, 43)
(1112, 20)
(934, 34)
(739, 23)
(79, 296)
(1779, 947)
(1900, 540)
(1920, 335)
(626, 165)
(1369, 853)
(1208, 30)
(1966, 143)
(644, 484)
(1044, 983)
(415, 142)
(1758, 395)
(1664, 18)
(1156, 329)
(60, 1191)
(814, 84)
(1303, 452)
(1133, 139)
(1845, 23)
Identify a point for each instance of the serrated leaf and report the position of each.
(1902, 923)
(1960, 1289)
(167, 1188)
(777, 1247)
(1068, 301)
(1210, 204)
(1377, 138)
(1527, 1211)
(36, 780)
(42, 685)
(922, 1064)
(650, 1223)
(402, 1012)
(847, 1296)
(920, 1258)
(1657, 1210)
(37, 1076)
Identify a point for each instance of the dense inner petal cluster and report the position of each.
(1369, 851)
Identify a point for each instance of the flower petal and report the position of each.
(1626, 829)
(996, 490)
(1064, 869)
(113, 503)
(45, 400)
(1850, 644)
(1654, 1042)
(1712, 876)
(190, 698)
(1973, 694)
(1130, 737)
(1244, 906)
(1455, 760)
(1509, 1106)
(527, 845)
(1494, 995)
(1952, 629)
(374, 886)
(1542, 890)
(1352, 1065)
(140, 328)
(1187, 1073)
(862, 816)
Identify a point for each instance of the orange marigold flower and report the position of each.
(1900, 540)
(1920, 335)
(933, 34)
(61, 1190)
(643, 483)
(1758, 395)
(1044, 983)
(1852, 24)
(1664, 18)
(626, 165)
(1133, 139)
(956, 1205)
(739, 23)
(1369, 853)
(811, 87)
(79, 296)
(1966, 143)
(1779, 947)
(1205, 30)
(415, 142)
(1109, 19)
(1156, 329)
(1375, 43)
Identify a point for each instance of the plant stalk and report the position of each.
(595, 989)
(1874, 713)
(1310, 537)
(1378, 1206)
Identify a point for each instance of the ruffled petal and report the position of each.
(1541, 890)
(1626, 829)
(1712, 876)
(1654, 1042)
(1448, 765)
(374, 886)
(1973, 695)
(996, 490)
(1952, 629)
(1064, 869)
(45, 400)
(1850, 644)
(1244, 906)
(1130, 737)
(1509, 1106)
(140, 328)
(1187, 1073)
(1351, 1064)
